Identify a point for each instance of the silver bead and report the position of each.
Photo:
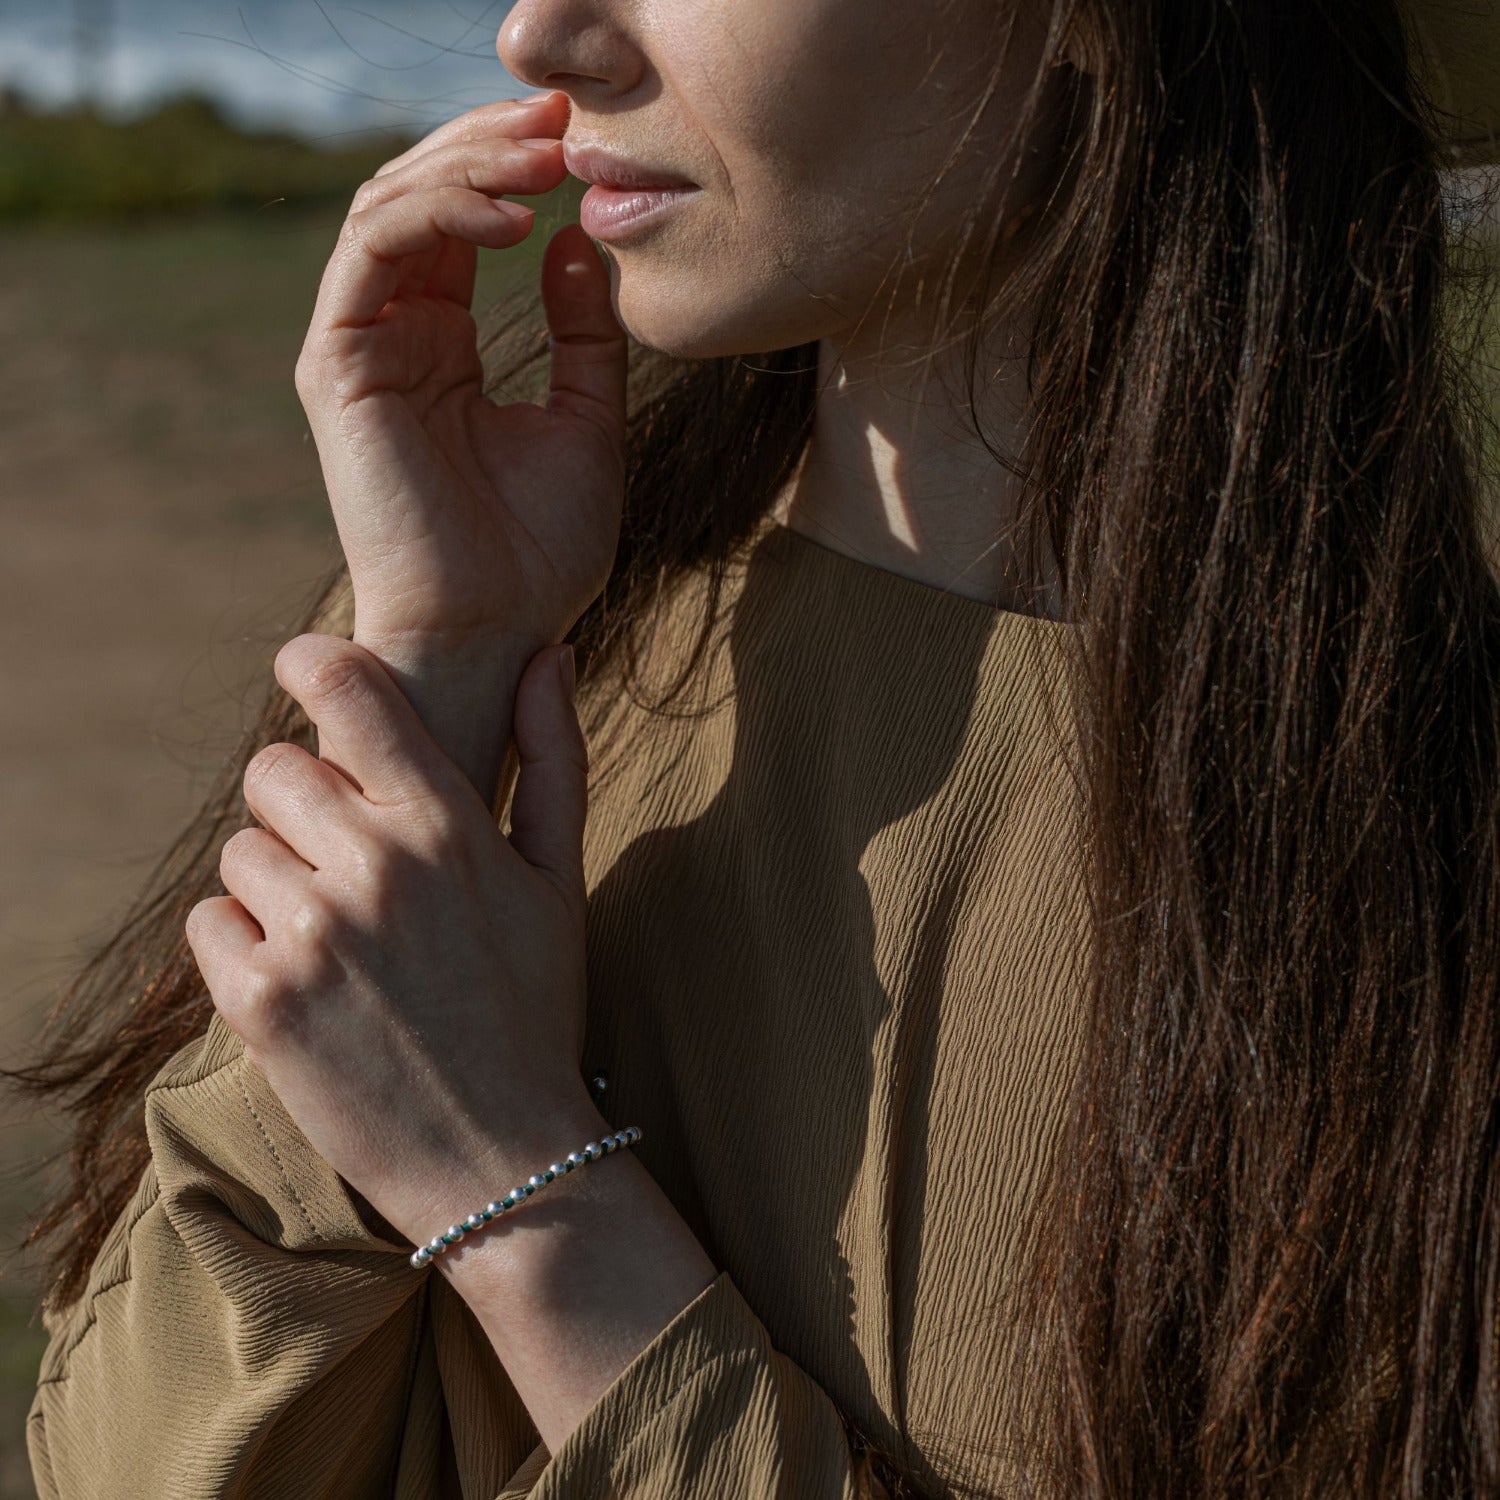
(575, 1159)
(517, 1193)
(494, 1209)
(557, 1169)
(536, 1180)
(455, 1231)
(436, 1247)
(474, 1221)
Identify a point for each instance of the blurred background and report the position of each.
(173, 175)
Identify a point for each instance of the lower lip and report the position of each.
(615, 213)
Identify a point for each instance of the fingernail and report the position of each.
(535, 98)
(567, 670)
(515, 210)
(539, 142)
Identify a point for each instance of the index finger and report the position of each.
(537, 114)
(365, 723)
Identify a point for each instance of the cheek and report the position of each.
(770, 268)
(814, 170)
(781, 260)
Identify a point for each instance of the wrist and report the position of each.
(451, 654)
(570, 1294)
(432, 1201)
(463, 688)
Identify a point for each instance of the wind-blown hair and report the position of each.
(1268, 1260)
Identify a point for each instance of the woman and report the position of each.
(1044, 968)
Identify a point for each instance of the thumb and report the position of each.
(550, 801)
(588, 344)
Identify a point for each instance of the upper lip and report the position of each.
(596, 165)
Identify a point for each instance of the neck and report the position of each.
(895, 474)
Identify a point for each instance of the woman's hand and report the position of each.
(464, 521)
(409, 979)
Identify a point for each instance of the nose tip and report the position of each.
(513, 54)
(543, 44)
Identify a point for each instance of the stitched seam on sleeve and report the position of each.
(276, 1157)
(197, 1078)
(736, 1356)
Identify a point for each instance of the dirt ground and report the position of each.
(164, 522)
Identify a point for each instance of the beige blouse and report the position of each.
(834, 932)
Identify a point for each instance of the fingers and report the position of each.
(222, 935)
(264, 875)
(494, 166)
(589, 352)
(401, 230)
(415, 202)
(367, 722)
(305, 802)
(451, 274)
(366, 268)
(550, 804)
(546, 114)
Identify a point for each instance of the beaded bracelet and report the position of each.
(591, 1152)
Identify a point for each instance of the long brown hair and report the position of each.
(1269, 1262)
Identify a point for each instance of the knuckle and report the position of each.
(385, 885)
(267, 764)
(318, 667)
(262, 1000)
(260, 991)
(272, 1009)
(439, 835)
(336, 677)
(314, 921)
(236, 847)
(356, 227)
(373, 866)
(305, 374)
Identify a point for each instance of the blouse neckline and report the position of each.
(873, 576)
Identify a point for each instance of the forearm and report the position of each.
(573, 1284)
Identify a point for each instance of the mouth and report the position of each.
(625, 198)
(604, 169)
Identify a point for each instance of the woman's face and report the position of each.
(811, 129)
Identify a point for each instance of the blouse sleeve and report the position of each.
(242, 1332)
(711, 1408)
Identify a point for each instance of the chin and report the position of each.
(682, 314)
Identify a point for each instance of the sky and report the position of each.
(323, 68)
